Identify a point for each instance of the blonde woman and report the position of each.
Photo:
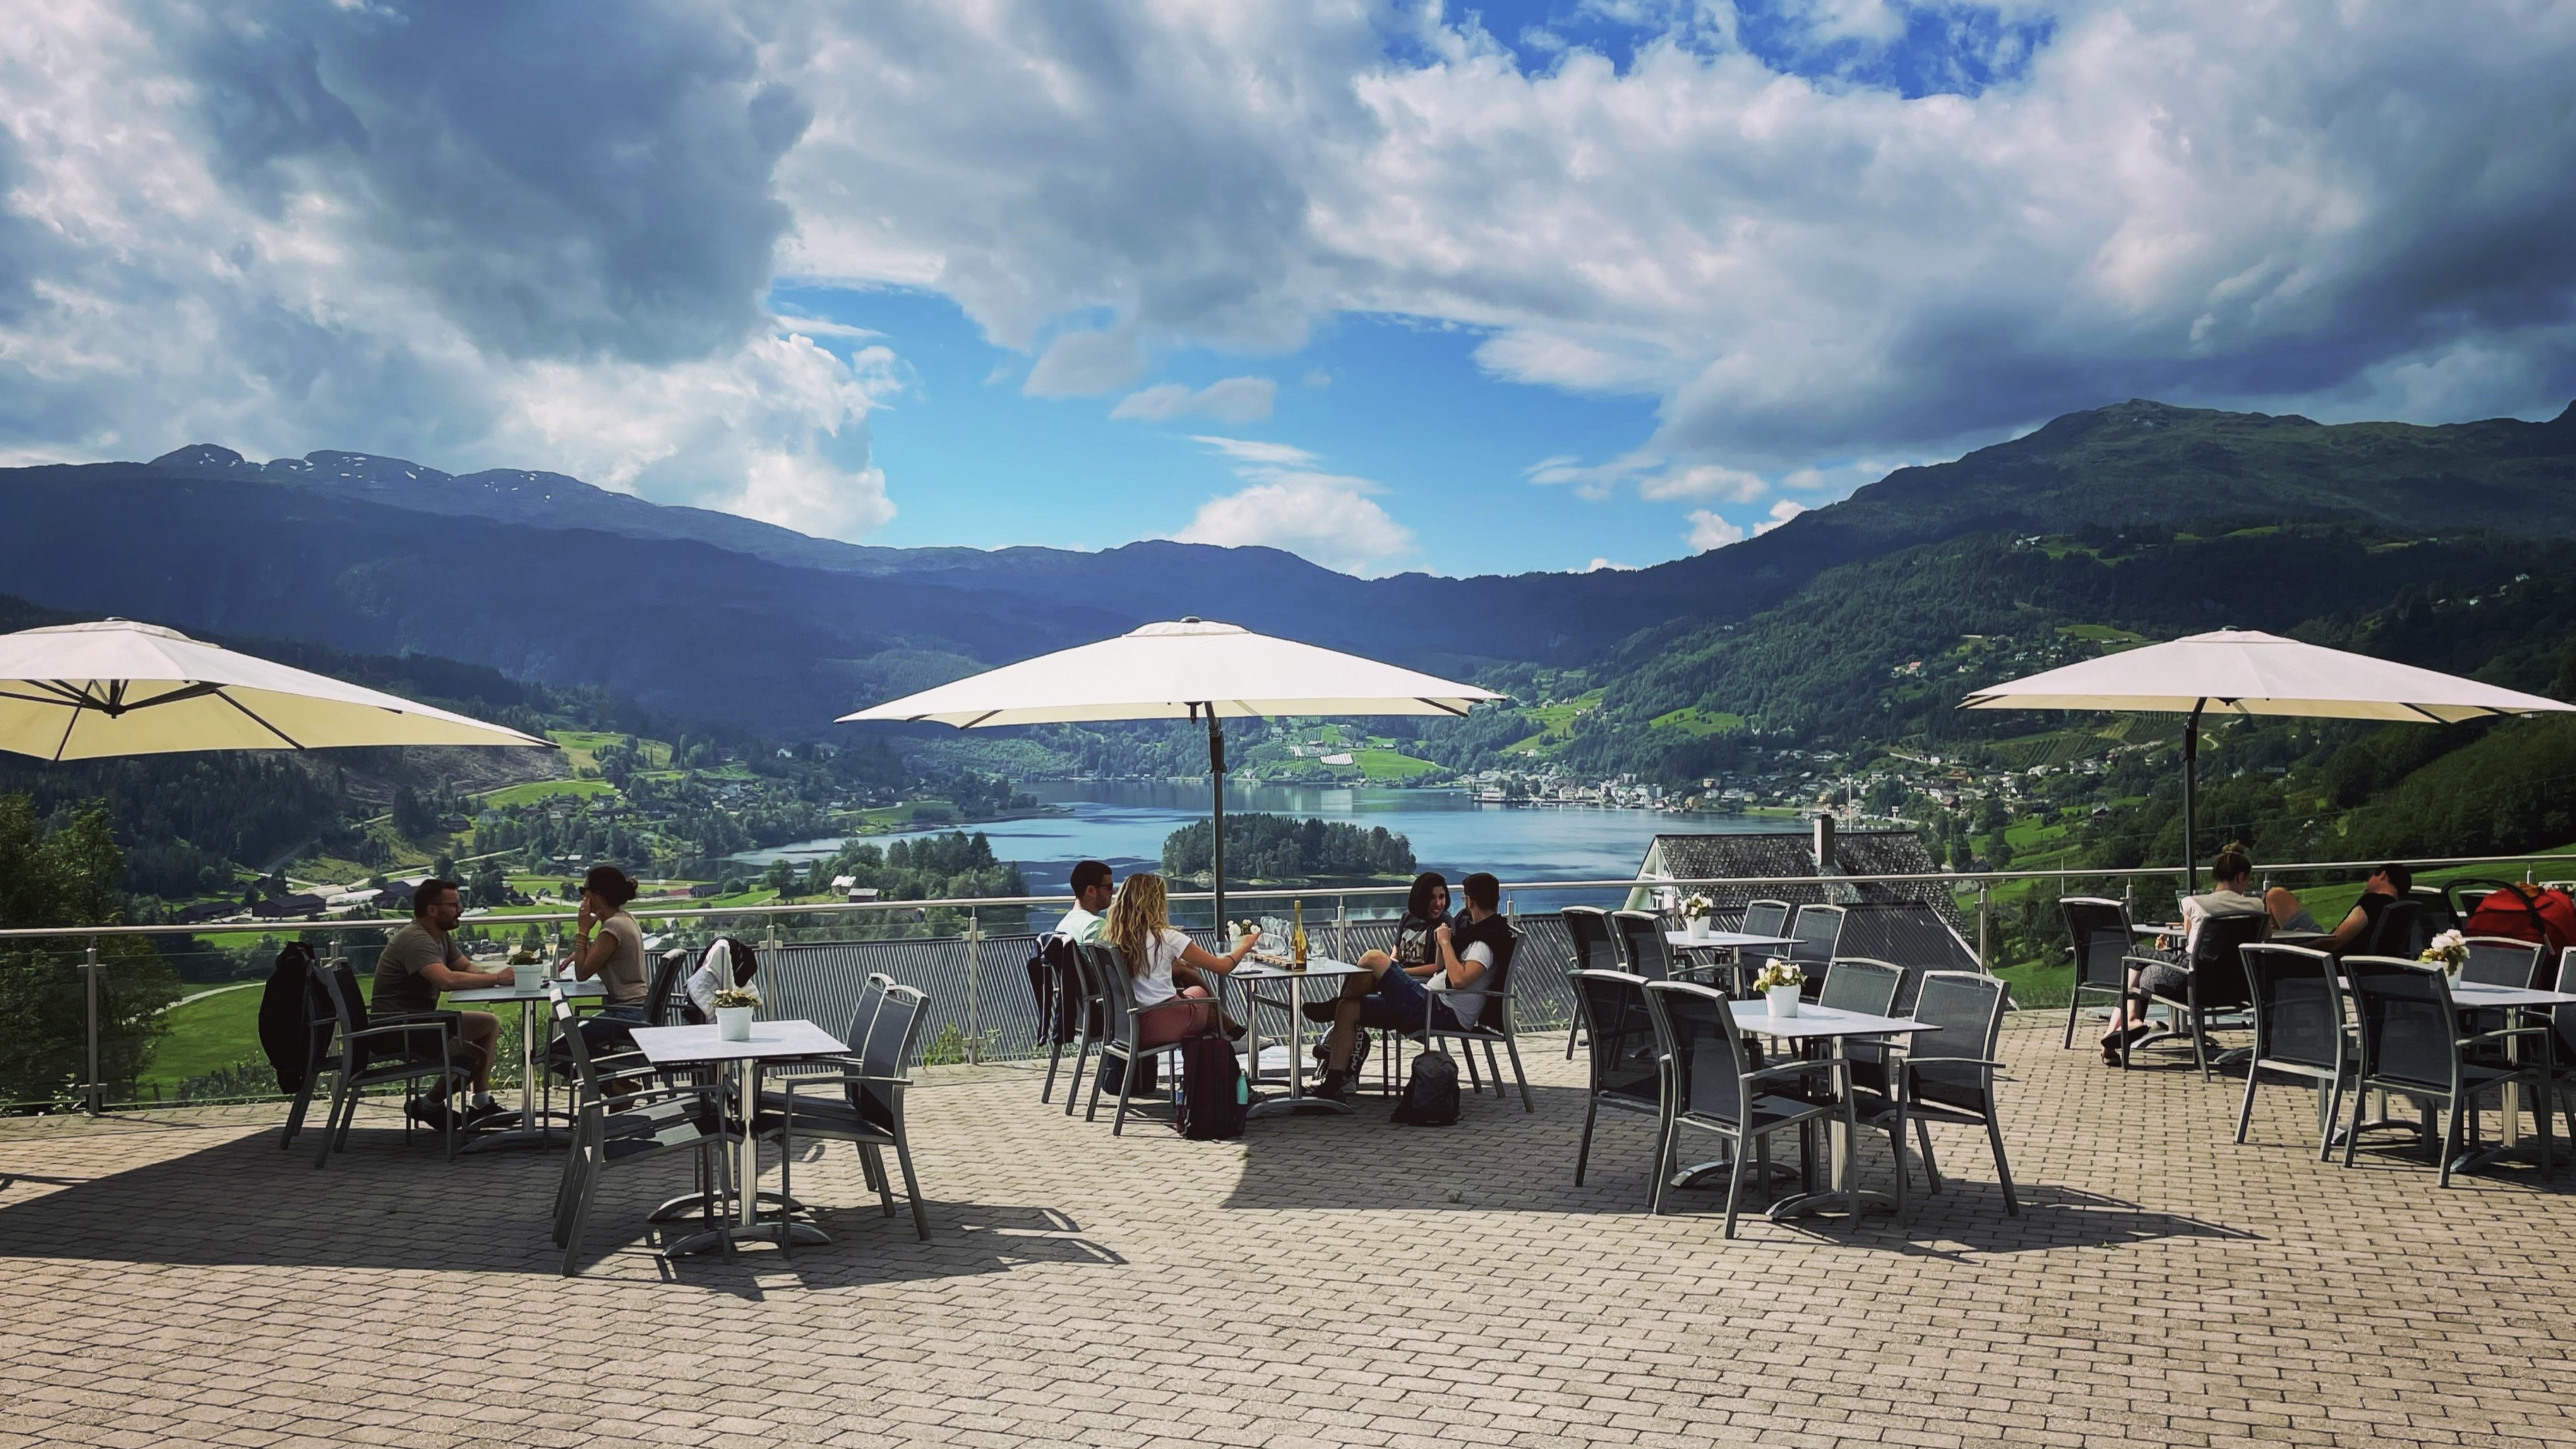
(1140, 926)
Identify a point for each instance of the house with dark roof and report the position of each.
(1913, 923)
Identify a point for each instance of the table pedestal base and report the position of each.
(1848, 1202)
(689, 1203)
(783, 1231)
(1281, 1104)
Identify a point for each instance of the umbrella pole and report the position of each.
(1216, 810)
(2191, 799)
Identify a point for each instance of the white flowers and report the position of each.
(1780, 972)
(1696, 906)
(2450, 951)
(733, 996)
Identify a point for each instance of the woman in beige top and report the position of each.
(608, 945)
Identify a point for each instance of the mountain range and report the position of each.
(704, 615)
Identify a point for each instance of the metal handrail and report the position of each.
(647, 907)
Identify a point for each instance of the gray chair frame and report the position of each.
(2301, 1029)
(1765, 918)
(2213, 953)
(634, 1127)
(352, 1072)
(1090, 1024)
(1642, 944)
(1870, 987)
(1615, 1043)
(2099, 927)
(872, 1080)
(1596, 948)
(1109, 969)
(1730, 1102)
(2502, 961)
(2380, 982)
(1496, 1023)
(1964, 1047)
(1819, 933)
(1062, 960)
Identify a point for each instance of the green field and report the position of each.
(1555, 722)
(1696, 722)
(535, 790)
(2101, 634)
(1389, 764)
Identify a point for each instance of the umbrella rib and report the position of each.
(979, 719)
(1444, 709)
(291, 742)
(65, 742)
(54, 694)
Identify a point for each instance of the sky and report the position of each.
(1539, 285)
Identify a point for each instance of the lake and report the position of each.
(1124, 823)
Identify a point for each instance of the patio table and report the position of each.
(1724, 941)
(1254, 972)
(534, 1128)
(1825, 1023)
(2476, 997)
(771, 1041)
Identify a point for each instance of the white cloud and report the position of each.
(1329, 518)
(1708, 531)
(1703, 480)
(1781, 512)
(1228, 400)
(1081, 364)
(1599, 564)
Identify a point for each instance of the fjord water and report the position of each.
(1124, 823)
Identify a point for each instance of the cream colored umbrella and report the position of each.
(2241, 671)
(1188, 669)
(89, 691)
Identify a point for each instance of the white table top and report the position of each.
(578, 989)
(1252, 970)
(666, 1046)
(1729, 939)
(1820, 1021)
(2469, 993)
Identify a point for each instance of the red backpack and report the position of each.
(2526, 913)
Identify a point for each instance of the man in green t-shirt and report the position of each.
(423, 960)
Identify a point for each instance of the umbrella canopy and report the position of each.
(1188, 669)
(2242, 671)
(87, 691)
(1180, 670)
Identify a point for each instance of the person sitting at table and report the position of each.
(1166, 970)
(608, 945)
(1091, 897)
(2231, 878)
(2387, 885)
(423, 960)
(1390, 994)
(1417, 950)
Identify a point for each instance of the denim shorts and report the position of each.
(1401, 1003)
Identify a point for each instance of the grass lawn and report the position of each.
(1697, 723)
(1555, 723)
(215, 1032)
(1389, 764)
(532, 791)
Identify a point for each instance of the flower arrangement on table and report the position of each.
(2450, 951)
(736, 996)
(1695, 907)
(1779, 972)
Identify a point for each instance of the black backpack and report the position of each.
(1209, 1099)
(1430, 1093)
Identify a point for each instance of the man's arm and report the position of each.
(448, 978)
(2347, 932)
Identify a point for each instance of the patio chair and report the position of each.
(2299, 1030)
(1108, 972)
(1062, 1005)
(1946, 1076)
(1857, 983)
(1596, 948)
(1627, 1067)
(1819, 937)
(2412, 1045)
(320, 1021)
(1090, 1021)
(1641, 941)
(2562, 1045)
(631, 1128)
(1765, 918)
(2100, 930)
(862, 1102)
(2401, 931)
(1715, 1089)
(2501, 961)
(1492, 1025)
(2213, 983)
(406, 1047)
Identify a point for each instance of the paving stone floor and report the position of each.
(176, 1279)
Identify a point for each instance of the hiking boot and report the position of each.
(1359, 1053)
(1335, 1087)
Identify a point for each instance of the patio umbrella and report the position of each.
(2241, 671)
(86, 691)
(1190, 669)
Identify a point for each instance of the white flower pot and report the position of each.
(733, 1023)
(1784, 1001)
(528, 978)
(1699, 928)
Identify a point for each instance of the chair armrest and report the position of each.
(2183, 965)
(1912, 1063)
(793, 1085)
(2501, 1033)
(1827, 1065)
(402, 1028)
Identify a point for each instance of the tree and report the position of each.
(69, 877)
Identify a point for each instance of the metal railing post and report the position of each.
(974, 988)
(1341, 928)
(1985, 920)
(94, 1091)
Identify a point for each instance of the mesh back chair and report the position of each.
(1090, 1020)
(2299, 1030)
(1108, 970)
(1819, 936)
(321, 1019)
(1716, 1088)
(1641, 941)
(2562, 1045)
(2501, 961)
(1596, 948)
(632, 1127)
(2437, 907)
(2401, 932)
(1493, 1024)
(862, 1102)
(2100, 930)
(1057, 980)
(668, 977)
(1856, 983)
(1765, 918)
(2213, 982)
(2412, 1045)
(411, 1048)
(1627, 1068)
(1947, 1076)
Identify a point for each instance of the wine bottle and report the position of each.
(1297, 937)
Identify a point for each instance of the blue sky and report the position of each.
(1394, 284)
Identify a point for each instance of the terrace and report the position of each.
(176, 1279)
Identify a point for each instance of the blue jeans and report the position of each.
(605, 1030)
(1401, 1003)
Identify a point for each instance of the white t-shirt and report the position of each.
(1467, 1003)
(1079, 926)
(714, 974)
(1153, 985)
(2222, 902)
